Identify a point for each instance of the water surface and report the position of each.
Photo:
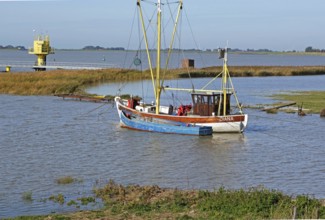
(124, 59)
(45, 138)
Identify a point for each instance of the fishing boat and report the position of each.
(209, 107)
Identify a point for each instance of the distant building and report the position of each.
(187, 63)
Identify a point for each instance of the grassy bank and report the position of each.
(59, 81)
(153, 202)
(75, 81)
(256, 71)
(314, 101)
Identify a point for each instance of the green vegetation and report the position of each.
(87, 200)
(272, 111)
(153, 202)
(102, 48)
(67, 180)
(27, 196)
(57, 198)
(60, 198)
(58, 81)
(314, 101)
(240, 71)
(10, 47)
(75, 81)
(314, 50)
(72, 202)
(256, 203)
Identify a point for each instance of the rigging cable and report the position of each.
(130, 36)
(149, 2)
(288, 139)
(282, 120)
(87, 113)
(122, 84)
(192, 33)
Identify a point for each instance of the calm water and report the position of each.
(125, 59)
(44, 138)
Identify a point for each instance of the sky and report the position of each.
(281, 25)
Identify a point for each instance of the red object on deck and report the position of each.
(183, 110)
(132, 103)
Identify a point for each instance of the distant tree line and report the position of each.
(102, 48)
(307, 50)
(12, 47)
(240, 50)
(311, 49)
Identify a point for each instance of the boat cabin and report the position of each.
(210, 104)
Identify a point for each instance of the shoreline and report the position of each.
(234, 51)
(154, 202)
(57, 82)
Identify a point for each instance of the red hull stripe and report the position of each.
(188, 119)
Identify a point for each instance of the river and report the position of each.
(43, 138)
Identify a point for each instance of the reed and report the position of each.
(60, 81)
(254, 203)
(75, 81)
(257, 71)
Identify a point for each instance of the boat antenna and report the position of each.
(225, 79)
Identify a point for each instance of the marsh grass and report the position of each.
(313, 101)
(72, 202)
(67, 180)
(75, 81)
(59, 81)
(86, 200)
(257, 71)
(154, 202)
(59, 198)
(27, 196)
(254, 203)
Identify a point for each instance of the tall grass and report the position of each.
(256, 71)
(75, 81)
(154, 202)
(253, 203)
(59, 81)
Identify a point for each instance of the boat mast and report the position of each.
(158, 86)
(156, 80)
(147, 46)
(224, 82)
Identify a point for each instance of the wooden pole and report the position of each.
(279, 106)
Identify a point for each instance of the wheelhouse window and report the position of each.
(209, 104)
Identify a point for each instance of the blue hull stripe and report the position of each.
(173, 128)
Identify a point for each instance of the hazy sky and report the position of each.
(254, 24)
